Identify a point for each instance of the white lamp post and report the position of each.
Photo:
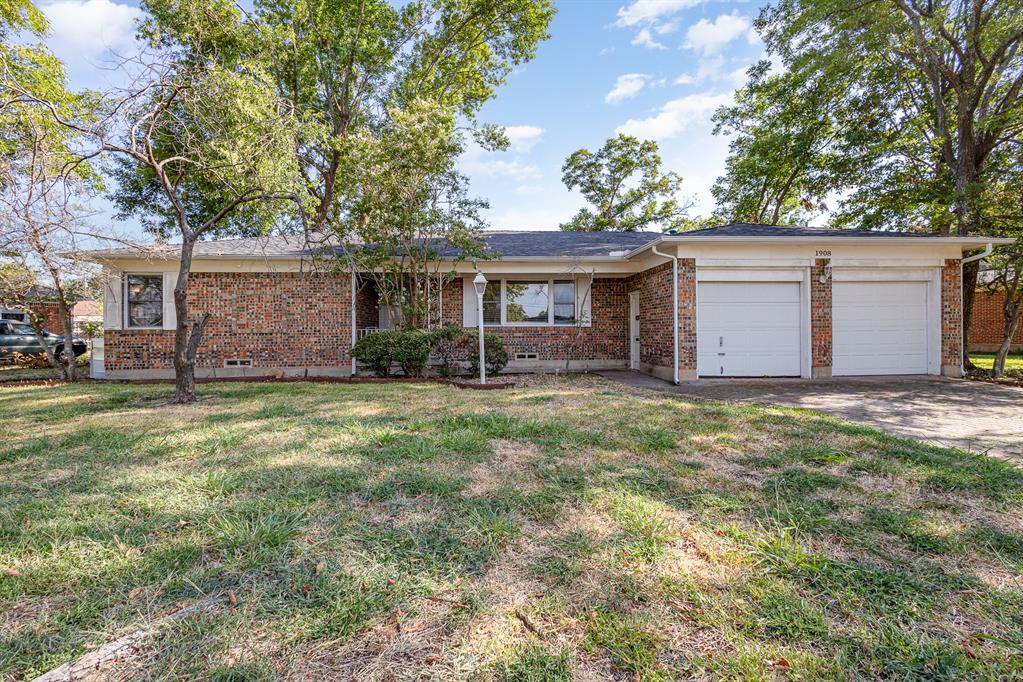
(481, 285)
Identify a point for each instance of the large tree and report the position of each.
(919, 98)
(346, 70)
(624, 183)
(410, 209)
(205, 136)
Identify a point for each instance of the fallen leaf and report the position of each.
(307, 588)
(135, 592)
(321, 567)
(780, 663)
(390, 581)
(431, 659)
(232, 598)
(132, 551)
(10, 572)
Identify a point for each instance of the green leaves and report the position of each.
(624, 183)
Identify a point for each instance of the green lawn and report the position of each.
(987, 360)
(565, 528)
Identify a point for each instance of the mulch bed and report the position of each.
(490, 386)
(1010, 379)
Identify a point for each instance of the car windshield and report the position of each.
(21, 328)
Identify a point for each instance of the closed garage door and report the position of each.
(879, 328)
(748, 329)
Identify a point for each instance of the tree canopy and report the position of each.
(897, 108)
(623, 182)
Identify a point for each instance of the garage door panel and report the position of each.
(879, 328)
(748, 329)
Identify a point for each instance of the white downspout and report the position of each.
(983, 254)
(674, 299)
(354, 330)
(962, 332)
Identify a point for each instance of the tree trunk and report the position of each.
(186, 339)
(970, 272)
(70, 361)
(37, 327)
(1012, 311)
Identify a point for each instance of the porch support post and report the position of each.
(354, 330)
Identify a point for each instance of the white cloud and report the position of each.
(675, 116)
(684, 79)
(709, 68)
(708, 37)
(523, 138)
(667, 27)
(478, 162)
(628, 85)
(646, 39)
(86, 29)
(646, 11)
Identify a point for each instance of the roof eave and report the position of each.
(977, 242)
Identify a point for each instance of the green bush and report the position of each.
(375, 350)
(445, 345)
(493, 347)
(411, 349)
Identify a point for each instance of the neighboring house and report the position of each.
(43, 305)
(738, 300)
(85, 313)
(987, 323)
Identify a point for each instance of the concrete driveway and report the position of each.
(972, 415)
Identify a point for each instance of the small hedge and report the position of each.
(411, 350)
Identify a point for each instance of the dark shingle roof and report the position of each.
(515, 245)
(533, 244)
(755, 230)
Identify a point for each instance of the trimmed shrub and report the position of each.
(375, 350)
(493, 347)
(446, 347)
(411, 350)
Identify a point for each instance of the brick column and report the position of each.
(820, 319)
(952, 318)
(687, 319)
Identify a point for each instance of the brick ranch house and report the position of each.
(987, 324)
(732, 301)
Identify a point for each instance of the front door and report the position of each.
(634, 330)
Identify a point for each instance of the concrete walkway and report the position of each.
(972, 415)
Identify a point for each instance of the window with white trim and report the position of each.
(530, 303)
(143, 301)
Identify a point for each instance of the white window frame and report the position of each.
(550, 302)
(125, 303)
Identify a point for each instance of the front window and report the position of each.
(564, 303)
(530, 302)
(492, 303)
(144, 300)
(527, 302)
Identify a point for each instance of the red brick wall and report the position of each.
(604, 340)
(686, 314)
(987, 323)
(951, 317)
(276, 319)
(49, 313)
(367, 306)
(656, 340)
(820, 316)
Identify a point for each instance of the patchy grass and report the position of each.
(987, 360)
(566, 529)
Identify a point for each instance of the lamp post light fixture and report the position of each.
(480, 282)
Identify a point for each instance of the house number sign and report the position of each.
(824, 253)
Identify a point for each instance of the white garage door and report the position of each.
(879, 328)
(748, 329)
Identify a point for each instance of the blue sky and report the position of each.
(656, 69)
